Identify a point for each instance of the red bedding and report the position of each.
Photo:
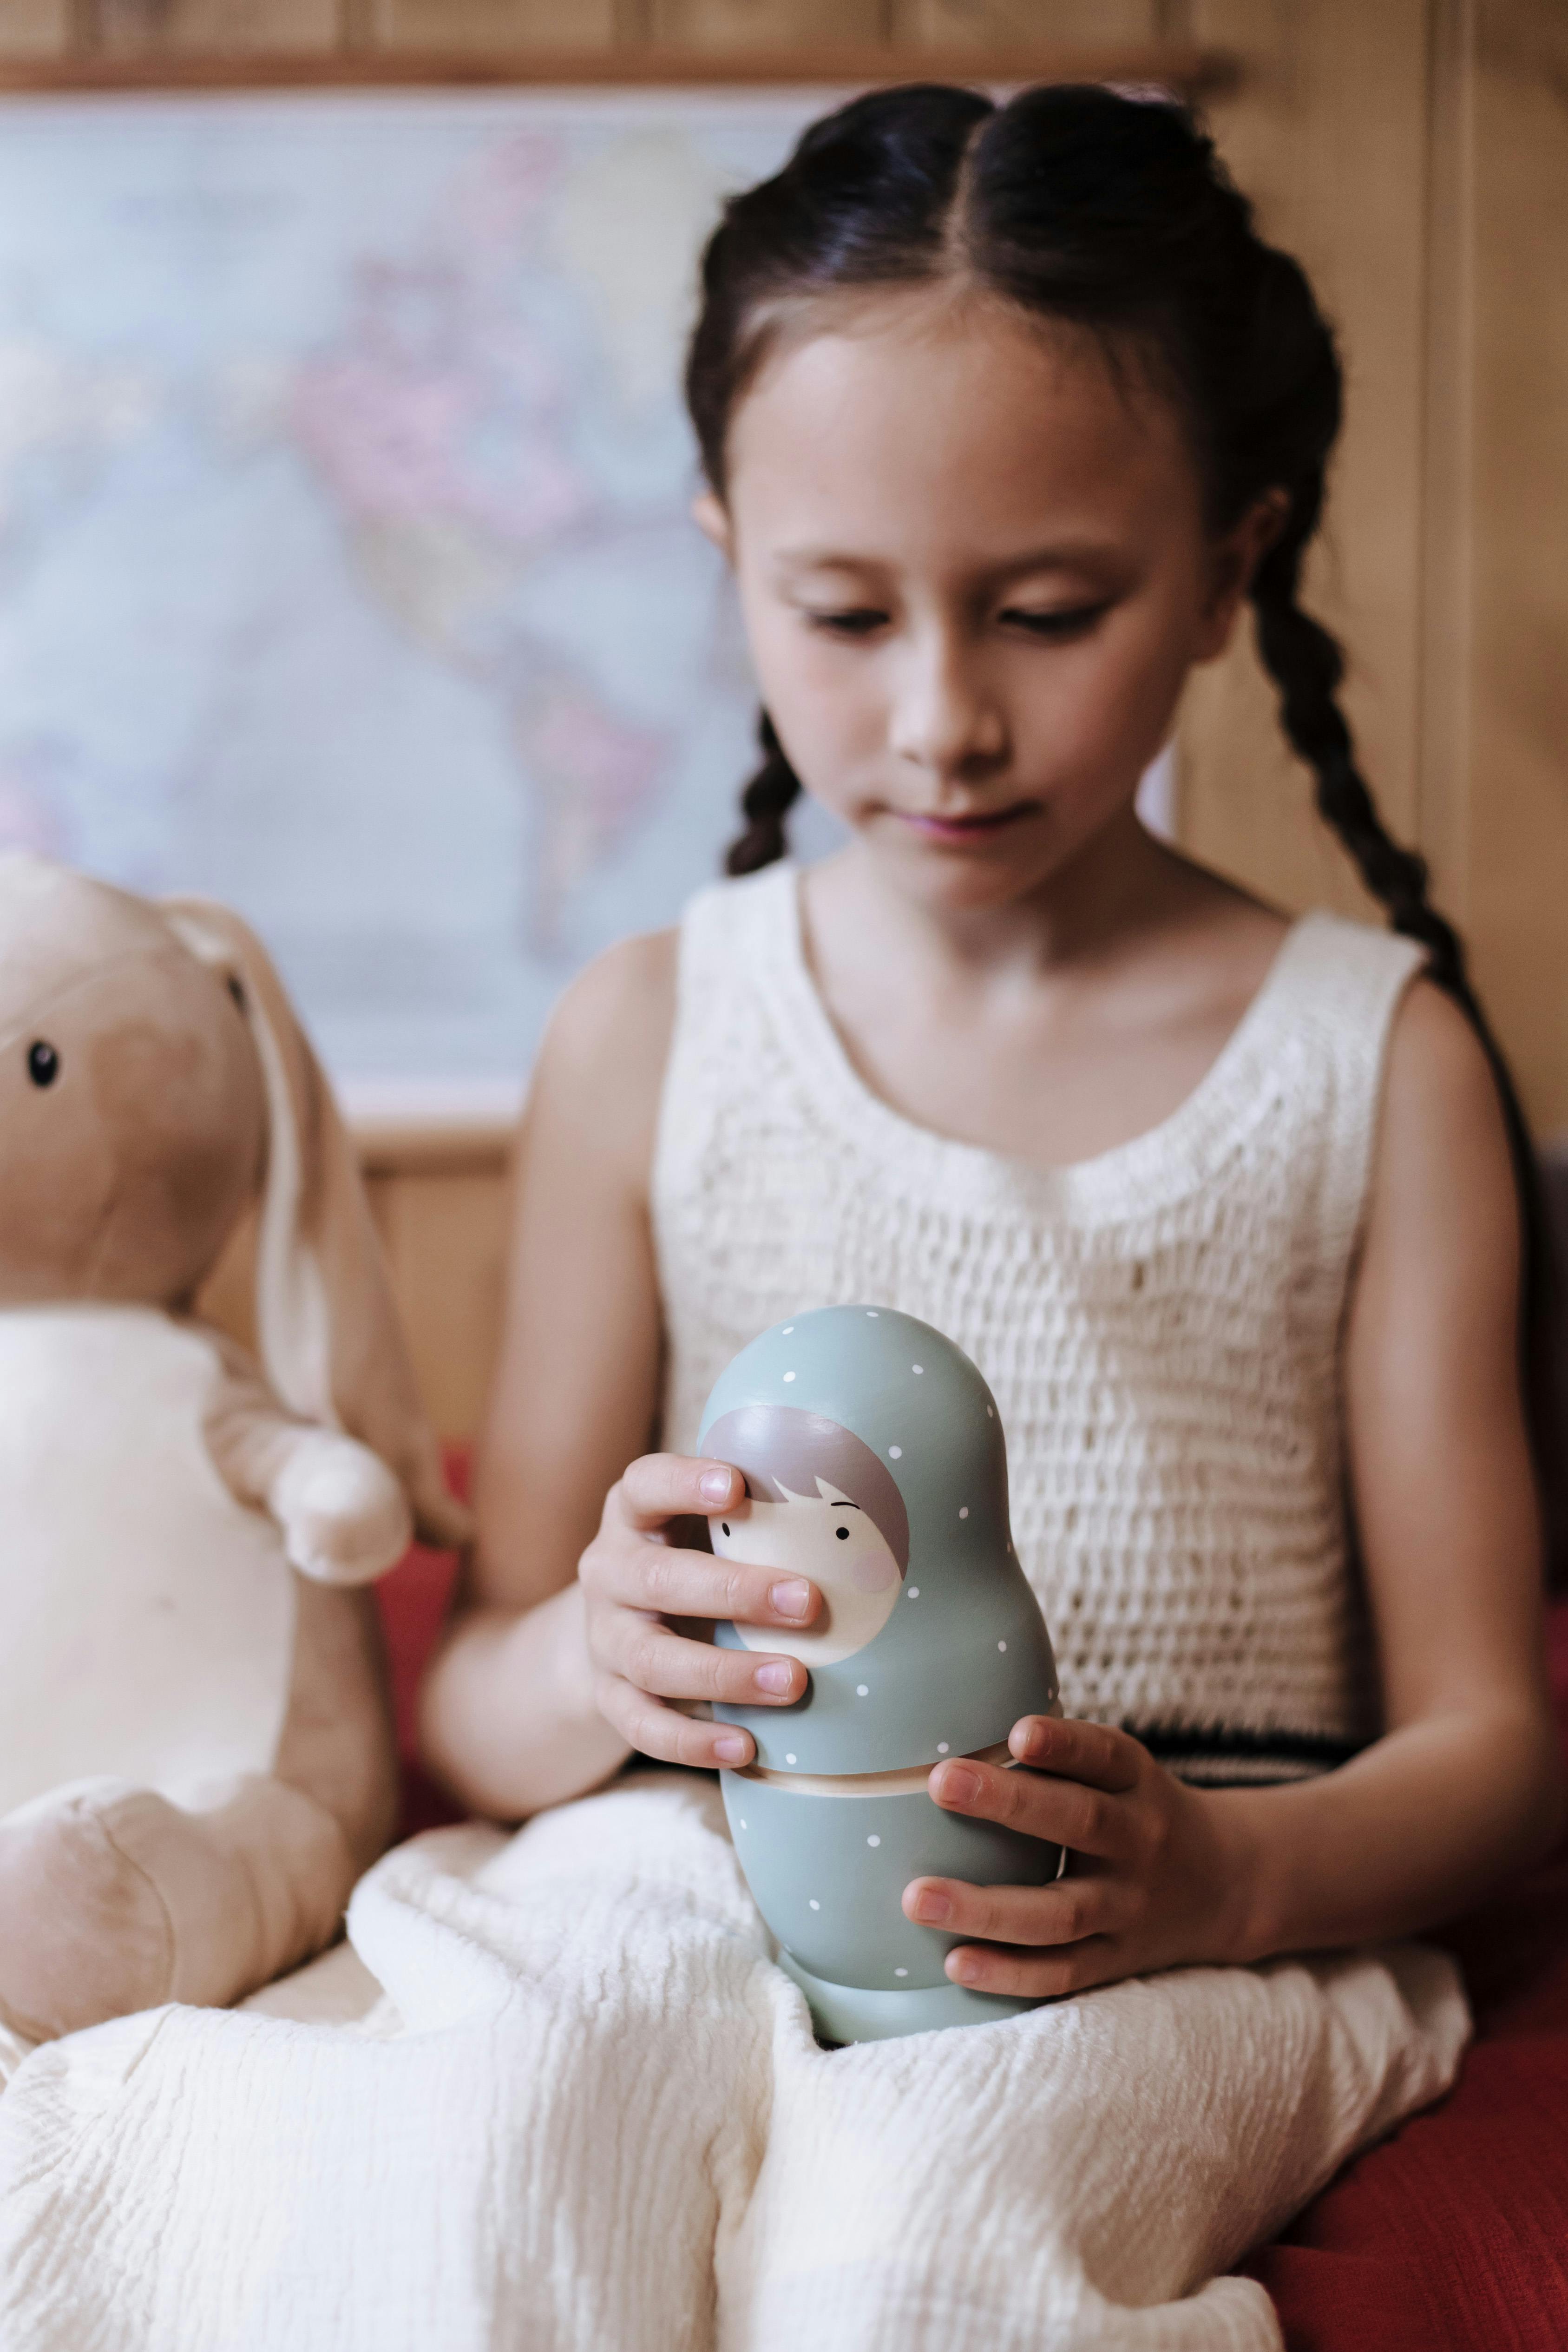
(1453, 2235)
(1450, 2237)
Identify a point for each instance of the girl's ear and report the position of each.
(1233, 561)
(712, 519)
(331, 1344)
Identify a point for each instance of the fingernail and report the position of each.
(714, 1485)
(792, 1598)
(931, 1908)
(960, 1786)
(964, 1968)
(777, 1677)
(731, 1748)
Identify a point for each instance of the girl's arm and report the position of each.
(1466, 1785)
(510, 1711)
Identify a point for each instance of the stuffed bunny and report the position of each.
(196, 1749)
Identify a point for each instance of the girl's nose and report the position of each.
(944, 719)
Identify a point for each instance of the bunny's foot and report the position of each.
(112, 1899)
(83, 1935)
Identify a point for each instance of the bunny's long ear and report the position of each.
(330, 1341)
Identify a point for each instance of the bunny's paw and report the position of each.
(343, 1513)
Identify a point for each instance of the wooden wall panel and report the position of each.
(453, 26)
(445, 1234)
(1514, 818)
(1327, 130)
(307, 27)
(817, 25)
(34, 29)
(1007, 23)
(1446, 584)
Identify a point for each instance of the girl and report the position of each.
(1005, 413)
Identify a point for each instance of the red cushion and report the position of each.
(1453, 2235)
(1450, 2237)
(413, 1598)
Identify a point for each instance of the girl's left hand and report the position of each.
(1158, 1872)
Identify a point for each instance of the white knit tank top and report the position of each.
(1160, 1326)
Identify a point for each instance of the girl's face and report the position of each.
(831, 1541)
(975, 573)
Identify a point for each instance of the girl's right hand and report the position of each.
(636, 1577)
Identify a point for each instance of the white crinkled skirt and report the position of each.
(589, 2115)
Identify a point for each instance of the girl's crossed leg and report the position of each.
(1081, 2176)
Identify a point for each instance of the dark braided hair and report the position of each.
(764, 803)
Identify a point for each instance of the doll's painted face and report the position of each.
(818, 1504)
(842, 1550)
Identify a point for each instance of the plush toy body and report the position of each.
(128, 1650)
(195, 1751)
(875, 1464)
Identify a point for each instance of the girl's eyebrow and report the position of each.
(1066, 555)
(1062, 555)
(824, 559)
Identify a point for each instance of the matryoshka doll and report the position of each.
(875, 1464)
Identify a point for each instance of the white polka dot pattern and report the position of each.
(1159, 1325)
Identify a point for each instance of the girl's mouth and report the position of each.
(961, 829)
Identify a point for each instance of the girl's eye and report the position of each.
(843, 1534)
(1068, 624)
(860, 623)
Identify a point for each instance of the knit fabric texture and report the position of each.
(1161, 1325)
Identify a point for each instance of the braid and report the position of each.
(764, 803)
(1307, 666)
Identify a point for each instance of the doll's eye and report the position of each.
(236, 989)
(843, 1534)
(724, 1527)
(43, 1063)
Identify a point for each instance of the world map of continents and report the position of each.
(346, 568)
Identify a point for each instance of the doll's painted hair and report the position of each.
(781, 1450)
(1115, 213)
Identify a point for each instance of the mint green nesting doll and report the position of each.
(875, 1464)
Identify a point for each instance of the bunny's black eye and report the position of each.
(43, 1063)
(724, 1527)
(843, 1534)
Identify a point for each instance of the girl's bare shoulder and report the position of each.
(1443, 1235)
(1441, 1111)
